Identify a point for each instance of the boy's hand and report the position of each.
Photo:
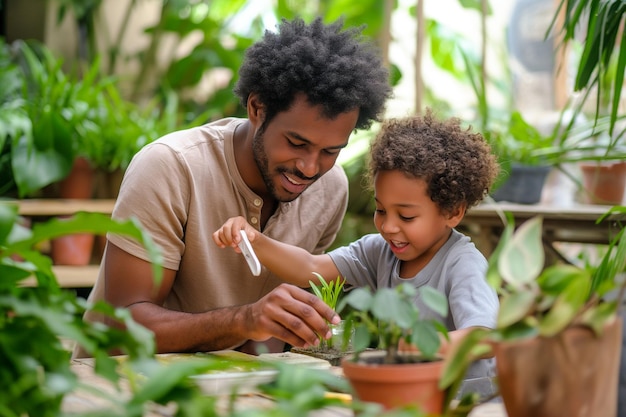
(228, 234)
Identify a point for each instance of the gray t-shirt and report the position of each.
(457, 270)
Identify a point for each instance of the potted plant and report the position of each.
(389, 375)
(524, 170)
(558, 339)
(512, 138)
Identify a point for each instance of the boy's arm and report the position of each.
(291, 263)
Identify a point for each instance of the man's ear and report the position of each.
(256, 110)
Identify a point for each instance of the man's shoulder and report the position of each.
(191, 137)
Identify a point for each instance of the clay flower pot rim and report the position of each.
(575, 327)
(609, 163)
(376, 354)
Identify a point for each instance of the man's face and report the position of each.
(298, 146)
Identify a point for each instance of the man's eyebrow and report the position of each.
(301, 138)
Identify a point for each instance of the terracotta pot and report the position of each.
(72, 249)
(75, 249)
(573, 374)
(396, 385)
(79, 182)
(604, 183)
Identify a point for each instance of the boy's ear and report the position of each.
(256, 110)
(456, 215)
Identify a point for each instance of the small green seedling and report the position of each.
(328, 292)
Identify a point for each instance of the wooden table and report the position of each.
(85, 400)
(575, 223)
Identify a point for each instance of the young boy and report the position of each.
(425, 173)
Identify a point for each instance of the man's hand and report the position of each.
(290, 314)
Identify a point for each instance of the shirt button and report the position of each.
(254, 220)
(257, 202)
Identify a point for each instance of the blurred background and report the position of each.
(103, 78)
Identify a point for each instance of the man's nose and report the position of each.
(309, 165)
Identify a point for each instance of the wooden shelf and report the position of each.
(577, 223)
(72, 276)
(60, 207)
(67, 276)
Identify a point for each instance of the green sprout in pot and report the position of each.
(329, 293)
(389, 317)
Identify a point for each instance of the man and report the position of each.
(305, 88)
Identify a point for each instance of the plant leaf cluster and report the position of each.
(328, 292)
(603, 59)
(35, 320)
(50, 117)
(538, 301)
(389, 316)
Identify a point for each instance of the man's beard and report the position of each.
(260, 157)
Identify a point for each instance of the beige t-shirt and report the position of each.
(184, 186)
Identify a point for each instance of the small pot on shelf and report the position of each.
(604, 183)
(75, 249)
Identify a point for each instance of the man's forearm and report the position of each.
(191, 332)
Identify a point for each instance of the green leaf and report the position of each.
(514, 307)
(165, 378)
(556, 278)
(521, 330)
(567, 305)
(388, 306)
(8, 217)
(361, 340)
(95, 223)
(424, 335)
(434, 300)
(522, 258)
(598, 317)
(464, 353)
(359, 299)
(35, 168)
(493, 276)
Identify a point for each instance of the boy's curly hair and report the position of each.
(456, 163)
(333, 68)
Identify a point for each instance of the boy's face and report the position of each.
(298, 146)
(409, 220)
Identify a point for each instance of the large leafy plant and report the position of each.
(389, 315)
(603, 59)
(60, 123)
(36, 321)
(538, 301)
